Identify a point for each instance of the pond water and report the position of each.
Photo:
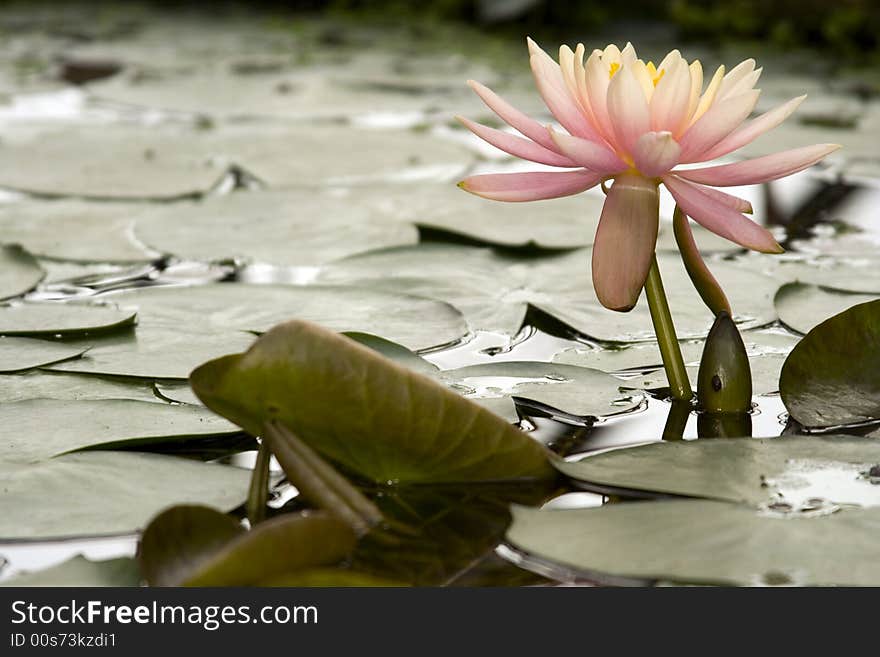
(512, 287)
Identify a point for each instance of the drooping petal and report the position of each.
(669, 104)
(628, 109)
(760, 169)
(750, 131)
(656, 153)
(587, 154)
(512, 116)
(532, 186)
(551, 86)
(719, 217)
(517, 146)
(736, 74)
(716, 124)
(625, 241)
(708, 97)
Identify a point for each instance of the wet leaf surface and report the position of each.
(62, 320)
(831, 377)
(786, 470)
(802, 307)
(376, 418)
(703, 542)
(40, 384)
(104, 493)
(20, 354)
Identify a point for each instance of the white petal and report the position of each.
(669, 104)
(716, 124)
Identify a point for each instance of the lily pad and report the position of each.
(103, 493)
(37, 429)
(20, 354)
(702, 542)
(494, 290)
(74, 230)
(80, 571)
(787, 470)
(802, 307)
(578, 392)
(39, 384)
(199, 546)
(19, 271)
(831, 377)
(414, 322)
(365, 412)
(70, 319)
(294, 228)
(563, 223)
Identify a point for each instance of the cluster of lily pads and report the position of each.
(176, 295)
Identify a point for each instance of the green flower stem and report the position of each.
(676, 373)
(258, 493)
(318, 481)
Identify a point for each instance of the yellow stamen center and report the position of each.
(615, 67)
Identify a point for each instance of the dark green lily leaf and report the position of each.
(19, 271)
(494, 290)
(263, 226)
(104, 493)
(802, 307)
(81, 571)
(62, 319)
(452, 529)
(361, 410)
(330, 577)
(74, 230)
(38, 384)
(37, 429)
(832, 376)
(396, 352)
(20, 354)
(703, 542)
(199, 546)
(789, 470)
(578, 392)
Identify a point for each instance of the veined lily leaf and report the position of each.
(373, 416)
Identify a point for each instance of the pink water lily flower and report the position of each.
(634, 123)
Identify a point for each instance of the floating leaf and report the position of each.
(790, 470)
(37, 429)
(359, 409)
(103, 493)
(20, 354)
(58, 385)
(493, 290)
(702, 542)
(832, 376)
(19, 271)
(294, 228)
(80, 571)
(74, 230)
(69, 319)
(199, 546)
(576, 391)
(802, 307)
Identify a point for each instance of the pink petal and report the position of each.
(731, 201)
(719, 217)
(625, 241)
(760, 169)
(672, 96)
(533, 186)
(628, 109)
(517, 146)
(551, 86)
(753, 129)
(656, 153)
(587, 154)
(596, 80)
(717, 123)
(512, 116)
